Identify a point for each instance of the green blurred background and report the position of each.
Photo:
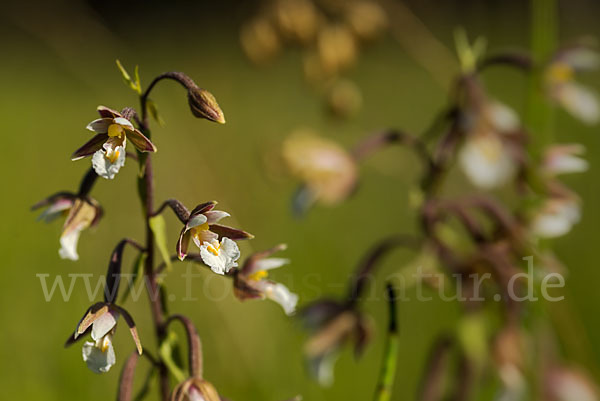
(58, 64)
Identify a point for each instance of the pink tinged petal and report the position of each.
(99, 126)
(106, 112)
(56, 209)
(104, 324)
(215, 215)
(270, 263)
(138, 140)
(97, 360)
(203, 208)
(230, 232)
(183, 243)
(90, 147)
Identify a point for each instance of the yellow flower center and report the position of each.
(105, 344)
(259, 275)
(116, 130)
(112, 156)
(560, 73)
(214, 248)
(197, 231)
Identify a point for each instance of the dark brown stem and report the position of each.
(366, 268)
(182, 213)
(126, 379)
(432, 382)
(194, 345)
(180, 77)
(381, 139)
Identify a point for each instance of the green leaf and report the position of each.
(154, 112)
(137, 275)
(159, 229)
(169, 355)
(135, 86)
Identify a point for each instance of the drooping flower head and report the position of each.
(108, 145)
(328, 172)
(488, 157)
(100, 321)
(251, 281)
(332, 324)
(195, 389)
(578, 100)
(80, 212)
(216, 242)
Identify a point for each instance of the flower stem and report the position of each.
(388, 367)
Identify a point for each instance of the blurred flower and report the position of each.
(367, 19)
(328, 172)
(108, 145)
(578, 100)
(250, 281)
(509, 356)
(201, 226)
(486, 157)
(332, 324)
(564, 159)
(567, 384)
(80, 213)
(557, 215)
(101, 320)
(297, 20)
(336, 48)
(344, 98)
(195, 389)
(259, 40)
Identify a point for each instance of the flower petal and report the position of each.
(68, 244)
(104, 167)
(486, 161)
(104, 323)
(195, 221)
(138, 140)
(106, 112)
(202, 236)
(580, 101)
(98, 361)
(229, 232)
(270, 263)
(56, 209)
(279, 293)
(123, 122)
(99, 126)
(183, 243)
(90, 147)
(223, 259)
(215, 215)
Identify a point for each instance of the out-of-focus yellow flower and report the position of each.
(336, 48)
(344, 98)
(367, 19)
(260, 40)
(328, 172)
(298, 20)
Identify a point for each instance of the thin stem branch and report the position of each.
(194, 344)
(390, 359)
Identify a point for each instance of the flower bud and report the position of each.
(204, 105)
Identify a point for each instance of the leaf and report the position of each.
(135, 86)
(137, 275)
(153, 109)
(168, 354)
(159, 229)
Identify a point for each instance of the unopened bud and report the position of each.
(204, 105)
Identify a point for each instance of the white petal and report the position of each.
(215, 215)
(196, 221)
(104, 324)
(279, 293)
(270, 263)
(580, 101)
(99, 126)
(124, 122)
(568, 164)
(556, 219)
(225, 258)
(582, 58)
(486, 161)
(102, 165)
(503, 117)
(323, 368)
(68, 244)
(96, 360)
(194, 395)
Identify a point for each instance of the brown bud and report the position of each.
(204, 105)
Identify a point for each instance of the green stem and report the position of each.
(544, 35)
(389, 365)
